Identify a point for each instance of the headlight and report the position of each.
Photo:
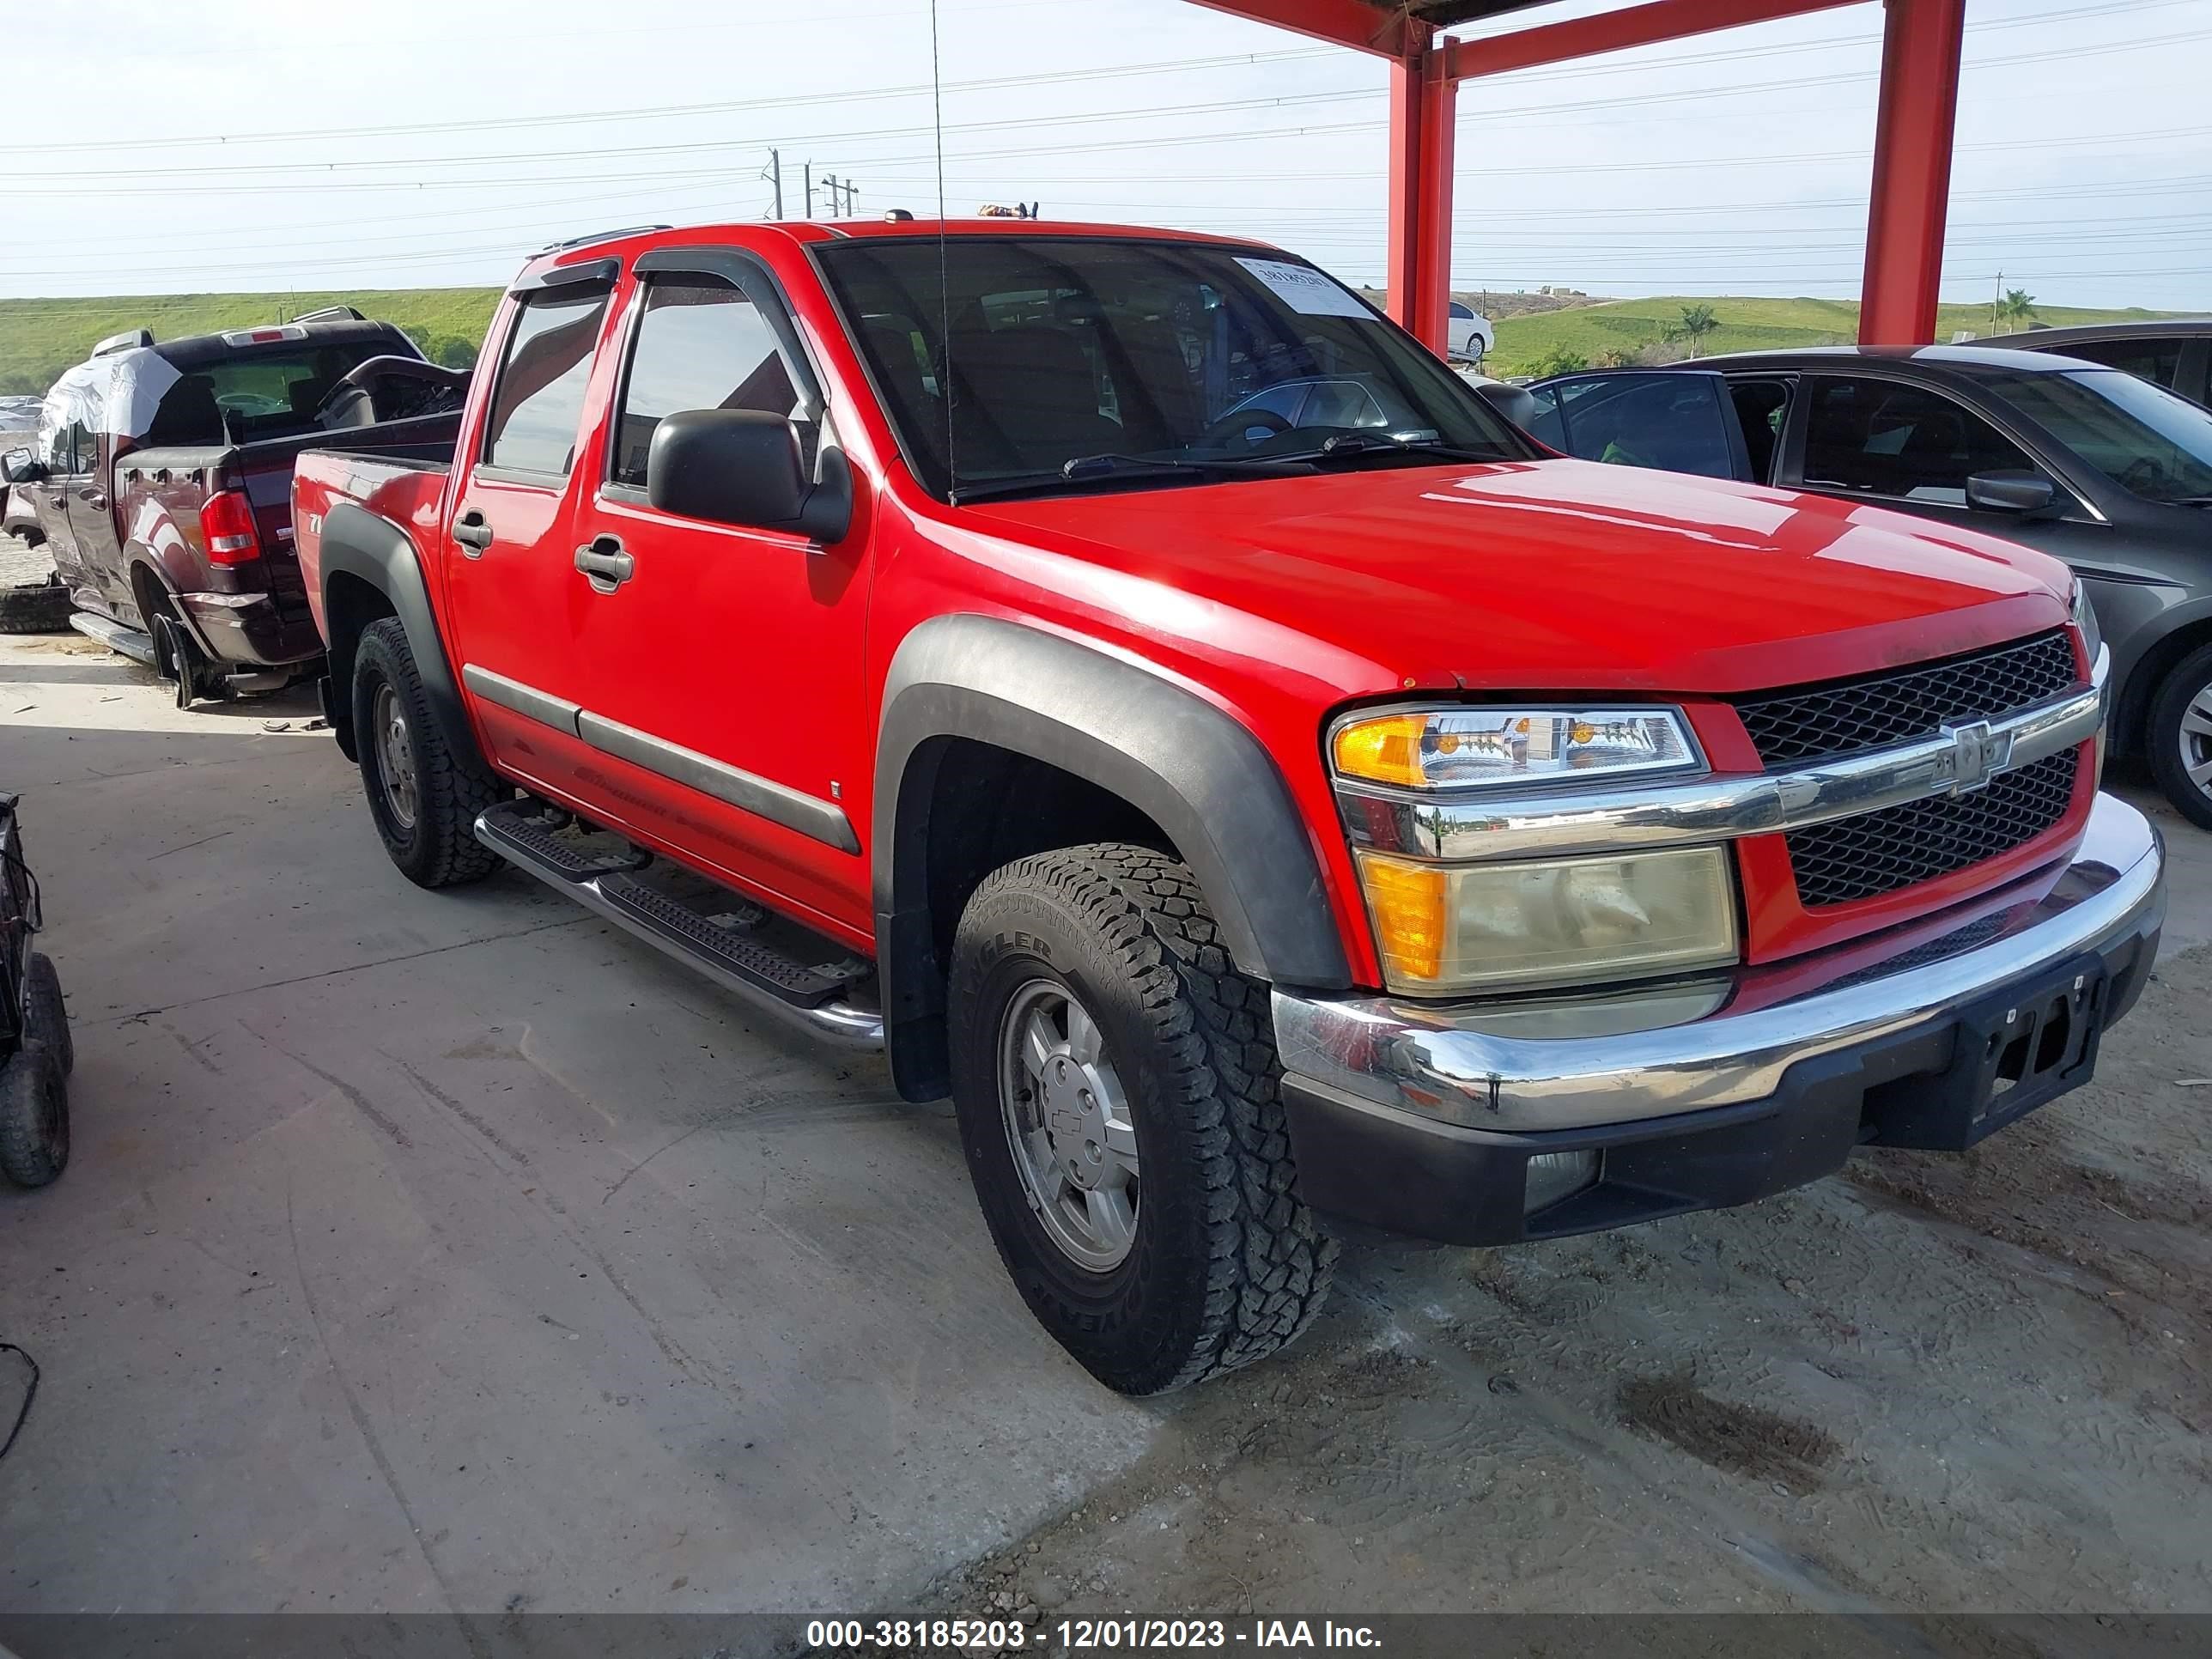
(2085, 618)
(1461, 927)
(1470, 747)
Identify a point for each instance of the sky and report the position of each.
(263, 145)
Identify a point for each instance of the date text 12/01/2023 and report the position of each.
(1083, 1635)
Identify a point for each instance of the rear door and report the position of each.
(516, 603)
(722, 672)
(1675, 420)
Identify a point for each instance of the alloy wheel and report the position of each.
(1068, 1126)
(2196, 740)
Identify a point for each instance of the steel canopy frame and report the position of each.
(1913, 129)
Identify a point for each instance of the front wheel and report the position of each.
(424, 790)
(1116, 1081)
(34, 1126)
(2180, 736)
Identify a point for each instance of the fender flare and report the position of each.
(358, 543)
(1195, 771)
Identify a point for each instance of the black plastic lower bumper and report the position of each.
(1943, 1086)
(252, 632)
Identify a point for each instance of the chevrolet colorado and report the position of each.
(1130, 682)
(161, 480)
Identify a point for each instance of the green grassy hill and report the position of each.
(40, 339)
(1589, 332)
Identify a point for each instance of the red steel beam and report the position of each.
(1913, 132)
(1617, 31)
(1380, 29)
(1423, 127)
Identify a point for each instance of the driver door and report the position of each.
(720, 665)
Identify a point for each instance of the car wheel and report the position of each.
(424, 790)
(43, 608)
(47, 1016)
(1116, 1081)
(34, 1127)
(2180, 736)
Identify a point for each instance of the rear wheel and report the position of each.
(34, 1129)
(1116, 1085)
(424, 789)
(2180, 736)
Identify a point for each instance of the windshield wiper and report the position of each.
(1345, 446)
(1086, 470)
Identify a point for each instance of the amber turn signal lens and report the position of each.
(1407, 903)
(1385, 750)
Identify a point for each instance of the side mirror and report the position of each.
(1515, 402)
(742, 466)
(19, 466)
(2011, 492)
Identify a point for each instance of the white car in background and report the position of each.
(1467, 334)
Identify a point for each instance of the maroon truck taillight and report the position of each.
(227, 528)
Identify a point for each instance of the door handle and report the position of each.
(93, 498)
(473, 532)
(603, 560)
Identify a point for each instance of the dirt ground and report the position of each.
(1937, 1386)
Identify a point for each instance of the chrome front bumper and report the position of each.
(1532, 1066)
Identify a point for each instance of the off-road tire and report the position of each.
(34, 1133)
(44, 609)
(48, 1016)
(2181, 686)
(1228, 1265)
(453, 781)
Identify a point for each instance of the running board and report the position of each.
(813, 1001)
(123, 642)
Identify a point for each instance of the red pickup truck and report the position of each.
(1134, 685)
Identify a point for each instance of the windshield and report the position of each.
(2141, 436)
(1181, 362)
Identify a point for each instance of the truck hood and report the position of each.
(1546, 575)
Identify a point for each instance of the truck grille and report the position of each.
(1882, 709)
(1876, 853)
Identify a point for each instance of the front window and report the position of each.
(1887, 438)
(1039, 364)
(2143, 437)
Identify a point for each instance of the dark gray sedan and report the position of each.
(2086, 462)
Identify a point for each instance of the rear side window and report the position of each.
(539, 401)
(1671, 422)
(700, 344)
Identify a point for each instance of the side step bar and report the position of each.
(123, 642)
(770, 980)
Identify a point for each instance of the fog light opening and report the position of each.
(1554, 1175)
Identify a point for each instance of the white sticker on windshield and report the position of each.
(1305, 290)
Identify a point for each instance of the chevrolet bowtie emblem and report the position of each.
(1978, 754)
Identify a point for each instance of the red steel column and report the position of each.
(1920, 49)
(1424, 97)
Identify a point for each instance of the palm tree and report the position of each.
(2016, 308)
(1698, 321)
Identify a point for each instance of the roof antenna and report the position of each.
(944, 285)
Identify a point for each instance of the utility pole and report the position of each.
(852, 198)
(836, 194)
(810, 189)
(775, 172)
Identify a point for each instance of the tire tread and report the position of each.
(1269, 1261)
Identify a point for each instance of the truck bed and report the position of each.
(403, 483)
